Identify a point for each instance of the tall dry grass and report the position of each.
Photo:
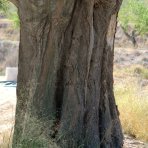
(6, 139)
(132, 101)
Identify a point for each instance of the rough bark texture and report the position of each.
(65, 79)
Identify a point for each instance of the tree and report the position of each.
(136, 17)
(65, 79)
(9, 10)
(3, 5)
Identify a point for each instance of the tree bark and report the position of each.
(65, 78)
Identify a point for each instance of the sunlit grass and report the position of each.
(6, 139)
(138, 70)
(132, 101)
(135, 70)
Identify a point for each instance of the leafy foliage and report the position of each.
(3, 5)
(134, 13)
(10, 11)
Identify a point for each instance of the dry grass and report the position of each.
(34, 137)
(6, 139)
(133, 71)
(132, 100)
(138, 70)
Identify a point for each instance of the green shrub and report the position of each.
(10, 11)
(3, 6)
(134, 13)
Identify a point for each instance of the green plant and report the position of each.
(134, 13)
(10, 11)
(3, 6)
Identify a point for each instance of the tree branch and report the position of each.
(131, 37)
(15, 2)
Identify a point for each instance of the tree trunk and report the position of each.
(65, 78)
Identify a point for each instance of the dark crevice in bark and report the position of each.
(59, 92)
(72, 15)
(61, 84)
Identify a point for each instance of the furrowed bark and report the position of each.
(65, 81)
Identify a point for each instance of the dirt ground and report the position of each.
(129, 56)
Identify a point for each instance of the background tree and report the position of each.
(65, 78)
(9, 10)
(3, 6)
(133, 14)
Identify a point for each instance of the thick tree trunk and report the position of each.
(65, 79)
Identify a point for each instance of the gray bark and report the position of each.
(65, 79)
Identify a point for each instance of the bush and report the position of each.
(134, 13)
(3, 6)
(9, 10)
